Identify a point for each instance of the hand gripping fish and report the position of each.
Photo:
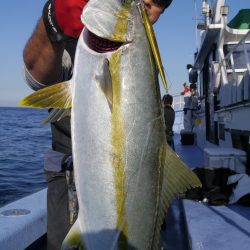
(125, 174)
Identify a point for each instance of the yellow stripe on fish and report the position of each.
(118, 134)
(118, 140)
(121, 25)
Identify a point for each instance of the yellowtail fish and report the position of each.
(125, 174)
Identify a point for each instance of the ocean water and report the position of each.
(23, 142)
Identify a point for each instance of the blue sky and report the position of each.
(175, 33)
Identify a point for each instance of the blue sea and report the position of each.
(23, 141)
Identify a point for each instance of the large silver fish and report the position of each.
(125, 173)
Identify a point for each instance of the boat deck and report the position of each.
(23, 221)
(190, 224)
(206, 227)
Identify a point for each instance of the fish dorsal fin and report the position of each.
(56, 96)
(177, 178)
(104, 81)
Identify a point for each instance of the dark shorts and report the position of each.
(57, 208)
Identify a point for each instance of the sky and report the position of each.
(175, 32)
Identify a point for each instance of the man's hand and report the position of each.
(62, 19)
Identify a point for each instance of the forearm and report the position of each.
(42, 58)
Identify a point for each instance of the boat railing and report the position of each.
(235, 84)
(178, 105)
(178, 102)
(229, 55)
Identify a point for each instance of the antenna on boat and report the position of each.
(196, 30)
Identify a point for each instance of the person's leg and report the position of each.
(57, 207)
(188, 120)
(172, 144)
(194, 117)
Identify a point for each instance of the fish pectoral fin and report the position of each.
(55, 96)
(177, 178)
(73, 239)
(104, 81)
(56, 115)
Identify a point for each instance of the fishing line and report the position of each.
(169, 80)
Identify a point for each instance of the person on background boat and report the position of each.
(192, 74)
(169, 117)
(48, 58)
(191, 106)
(185, 90)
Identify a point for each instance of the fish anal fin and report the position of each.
(104, 81)
(177, 178)
(55, 96)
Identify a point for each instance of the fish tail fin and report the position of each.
(177, 178)
(73, 240)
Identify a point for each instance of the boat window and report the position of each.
(238, 56)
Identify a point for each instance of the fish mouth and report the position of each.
(99, 44)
